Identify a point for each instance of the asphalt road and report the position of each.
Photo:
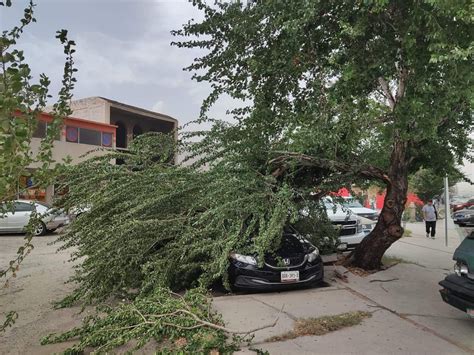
(40, 281)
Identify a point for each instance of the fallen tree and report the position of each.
(149, 223)
(147, 228)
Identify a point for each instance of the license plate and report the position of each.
(470, 312)
(290, 276)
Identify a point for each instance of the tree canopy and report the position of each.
(428, 184)
(354, 90)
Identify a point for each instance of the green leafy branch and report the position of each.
(21, 103)
(177, 323)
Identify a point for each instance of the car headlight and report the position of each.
(359, 226)
(246, 259)
(313, 255)
(342, 247)
(460, 268)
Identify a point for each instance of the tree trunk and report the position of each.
(368, 254)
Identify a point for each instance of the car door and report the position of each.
(19, 219)
(4, 225)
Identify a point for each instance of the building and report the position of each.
(130, 121)
(95, 122)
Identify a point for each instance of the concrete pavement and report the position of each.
(426, 251)
(409, 315)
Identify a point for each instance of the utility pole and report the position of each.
(446, 209)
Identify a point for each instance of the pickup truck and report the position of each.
(351, 227)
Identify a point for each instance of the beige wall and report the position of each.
(92, 108)
(63, 149)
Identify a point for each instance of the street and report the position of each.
(408, 315)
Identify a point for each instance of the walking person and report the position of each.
(430, 216)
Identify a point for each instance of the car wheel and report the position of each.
(40, 229)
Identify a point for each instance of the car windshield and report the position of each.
(352, 203)
(43, 204)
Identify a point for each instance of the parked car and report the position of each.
(462, 204)
(17, 220)
(76, 212)
(367, 225)
(464, 217)
(356, 207)
(351, 229)
(458, 288)
(296, 263)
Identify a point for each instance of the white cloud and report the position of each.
(142, 70)
(158, 106)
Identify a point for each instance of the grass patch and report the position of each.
(407, 233)
(322, 325)
(392, 260)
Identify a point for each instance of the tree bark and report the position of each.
(368, 254)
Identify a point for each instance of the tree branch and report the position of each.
(366, 171)
(203, 323)
(402, 79)
(388, 94)
(219, 327)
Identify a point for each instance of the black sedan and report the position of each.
(296, 263)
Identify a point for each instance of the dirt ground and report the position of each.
(40, 280)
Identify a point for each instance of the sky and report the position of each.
(123, 51)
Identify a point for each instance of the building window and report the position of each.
(72, 134)
(107, 139)
(40, 131)
(88, 136)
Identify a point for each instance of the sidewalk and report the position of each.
(426, 251)
(409, 315)
(386, 332)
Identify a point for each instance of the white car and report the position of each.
(351, 229)
(356, 207)
(16, 221)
